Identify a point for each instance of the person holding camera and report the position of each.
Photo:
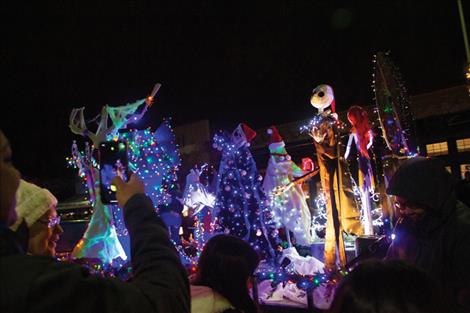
(42, 284)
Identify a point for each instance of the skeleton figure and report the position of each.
(342, 212)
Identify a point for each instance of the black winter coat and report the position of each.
(438, 243)
(41, 284)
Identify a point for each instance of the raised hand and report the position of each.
(125, 191)
(317, 135)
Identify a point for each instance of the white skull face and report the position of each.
(322, 97)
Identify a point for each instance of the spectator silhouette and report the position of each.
(434, 233)
(224, 270)
(387, 287)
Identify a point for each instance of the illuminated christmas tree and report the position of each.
(240, 201)
(154, 157)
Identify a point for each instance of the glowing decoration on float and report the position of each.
(154, 157)
(240, 202)
(362, 136)
(396, 127)
(288, 206)
(101, 239)
(325, 129)
(392, 106)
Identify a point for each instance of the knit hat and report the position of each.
(31, 203)
(424, 181)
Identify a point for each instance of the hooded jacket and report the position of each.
(439, 242)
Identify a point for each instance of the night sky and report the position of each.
(228, 61)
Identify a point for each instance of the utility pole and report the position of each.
(465, 41)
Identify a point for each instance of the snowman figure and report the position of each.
(289, 208)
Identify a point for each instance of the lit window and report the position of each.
(438, 148)
(463, 145)
(463, 169)
(449, 169)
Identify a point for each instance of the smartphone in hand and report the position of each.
(113, 162)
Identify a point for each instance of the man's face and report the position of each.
(409, 209)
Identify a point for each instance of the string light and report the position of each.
(392, 106)
(319, 220)
(240, 201)
(154, 157)
(278, 275)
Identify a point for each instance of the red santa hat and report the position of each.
(249, 133)
(243, 134)
(275, 141)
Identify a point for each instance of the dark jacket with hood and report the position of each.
(439, 242)
(41, 284)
